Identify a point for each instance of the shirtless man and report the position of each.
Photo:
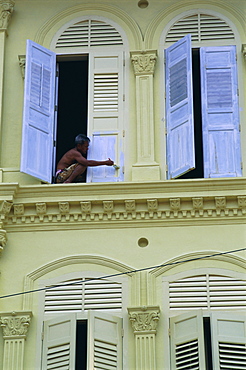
(73, 163)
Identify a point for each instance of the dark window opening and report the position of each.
(198, 171)
(81, 345)
(207, 343)
(72, 104)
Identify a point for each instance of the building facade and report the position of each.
(142, 265)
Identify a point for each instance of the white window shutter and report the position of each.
(104, 341)
(179, 108)
(38, 114)
(187, 341)
(105, 111)
(220, 113)
(59, 343)
(228, 331)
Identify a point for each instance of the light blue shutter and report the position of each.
(38, 115)
(105, 111)
(179, 108)
(220, 117)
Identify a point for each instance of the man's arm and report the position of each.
(92, 163)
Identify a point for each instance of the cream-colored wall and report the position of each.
(38, 21)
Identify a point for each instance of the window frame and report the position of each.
(167, 313)
(82, 315)
(163, 45)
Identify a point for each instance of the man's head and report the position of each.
(82, 143)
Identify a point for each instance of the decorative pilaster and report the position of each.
(146, 169)
(15, 326)
(6, 10)
(144, 322)
(5, 208)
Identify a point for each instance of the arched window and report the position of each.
(202, 109)
(206, 311)
(76, 87)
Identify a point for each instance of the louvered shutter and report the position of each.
(59, 343)
(228, 341)
(187, 342)
(104, 341)
(220, 116)
(38, 115)
(105, 115)
(179, 108)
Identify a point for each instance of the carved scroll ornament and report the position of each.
(144, 62)
(15, 324)
(6, 10)
(144, 319)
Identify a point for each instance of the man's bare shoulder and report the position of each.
(68, 158)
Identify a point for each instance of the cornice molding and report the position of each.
(144, 319)
(15, 324)
(99, 213)
(6, 10)
(172, 203)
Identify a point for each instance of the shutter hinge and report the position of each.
(56, 108)
(57, 73)
(237, 92)
(54, 144)
(166, 168)
(123, 133)
(239, 128)
(241, 165)
(122, 332)
(42, 335)
(124, 97)
(169, 332)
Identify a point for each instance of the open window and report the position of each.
(91, 102)
(203, 138)
(97, 344)
(211, 343)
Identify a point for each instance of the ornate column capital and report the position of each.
(144, 61)
(144, 319)
(6, 10)
(15, 324)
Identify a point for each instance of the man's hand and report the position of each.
(109, 162)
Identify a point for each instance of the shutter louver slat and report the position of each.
(89, 34)
(202, 27)
(84, 295)
(205, 292)
(232, 357)
(105, 355)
